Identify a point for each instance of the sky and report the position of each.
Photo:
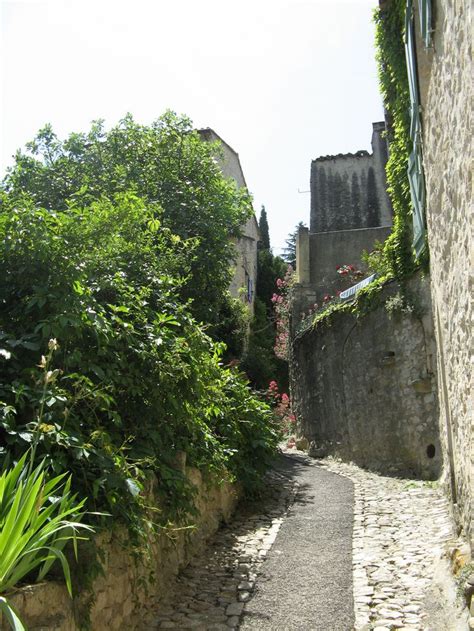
(281, 81)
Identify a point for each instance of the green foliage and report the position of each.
(135, 378)
(167, 165)
(393, 79)
(270, 269)
(367, 299)
(233, 326)
(289, 252)
(38, 517)
(264, 230)
(260, 363)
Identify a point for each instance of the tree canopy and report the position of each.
(165, 164)
(289, 252)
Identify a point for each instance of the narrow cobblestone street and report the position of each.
(329, 547)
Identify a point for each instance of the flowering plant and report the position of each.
(281, 306)
(349, 270)
(281, 407)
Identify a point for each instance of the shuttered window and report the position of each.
(415, 163)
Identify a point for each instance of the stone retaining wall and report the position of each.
(364, 389)
(129, 587)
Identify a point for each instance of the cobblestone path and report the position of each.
(211, 592)
(400, 528)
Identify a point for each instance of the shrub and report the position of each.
(135, 377)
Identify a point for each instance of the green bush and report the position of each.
(165, 163)
(135, 378)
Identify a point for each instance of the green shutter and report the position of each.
(417, 189)
(415, 162)
(424, 7)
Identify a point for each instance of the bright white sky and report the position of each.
(282, 81)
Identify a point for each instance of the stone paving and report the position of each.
(401, 528)
(210, 594)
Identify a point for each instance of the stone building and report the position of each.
(350, 212)
(362, 387)
(434, 361)
(441, 69)
(244, 281)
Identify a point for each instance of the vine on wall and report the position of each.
(395, 259)
(393, 79)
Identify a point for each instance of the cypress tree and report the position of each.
(264, 231)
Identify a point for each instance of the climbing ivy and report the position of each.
(395, 258)
(389, 20)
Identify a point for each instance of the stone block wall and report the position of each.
(348, 191)
(344, 247)
(364, 389)
(446, 73)
(130, 587)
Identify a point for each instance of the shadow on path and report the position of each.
(306, 581)
(283, 562)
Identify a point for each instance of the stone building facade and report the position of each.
(244, 281)
(445, 72)
(350, 212)
(348, 191)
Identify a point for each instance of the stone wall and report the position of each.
(445, 74)
(349, 190)
(129, 588)
(244, 281)
(345, 247)
(319, 254)
(364, 389)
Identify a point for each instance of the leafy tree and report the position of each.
(135, 378)
(264, 230)
(270, 268)
(164, 164)
(260, 363)
(289, 253)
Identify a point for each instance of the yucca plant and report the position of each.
(38, 516)
(35, 515)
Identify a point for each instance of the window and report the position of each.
(249, 289)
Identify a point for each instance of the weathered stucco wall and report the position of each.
(349, 191)
(446, 93)
(129, 588)
(364, 389)
(344, 247)
(244, 281)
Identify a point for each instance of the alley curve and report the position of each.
(329, 547)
